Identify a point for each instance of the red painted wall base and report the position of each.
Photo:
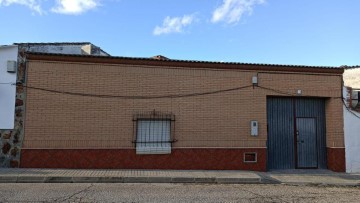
(180, 159)
(336, 159)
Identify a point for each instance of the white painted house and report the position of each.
(9, 57)
(8, 67)
(352, 119)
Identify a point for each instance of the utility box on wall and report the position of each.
(8, 67)
(11, 66)
(254, 128)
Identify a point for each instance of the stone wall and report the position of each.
(11, 140)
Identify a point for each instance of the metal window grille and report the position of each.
(154, 132)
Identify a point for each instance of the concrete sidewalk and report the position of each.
(313, 177)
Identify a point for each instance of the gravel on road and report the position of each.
(102, 192)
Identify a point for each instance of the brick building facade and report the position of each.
(80, 111)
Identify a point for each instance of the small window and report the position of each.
(250, 157)
(153, 133)
(355, 97)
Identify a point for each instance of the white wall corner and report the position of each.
(7, 89)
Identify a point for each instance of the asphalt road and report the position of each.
(64, 192)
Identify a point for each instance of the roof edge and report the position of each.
(52, 43)
(351, 67)
(5, 46)
(180, 63)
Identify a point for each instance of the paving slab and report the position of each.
(126, 176)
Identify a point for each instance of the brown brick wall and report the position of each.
(334, 123)
(336, 159)
(208, 121)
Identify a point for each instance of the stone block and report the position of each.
(14, 151)
(6, 148)
(19, 102)
(7, 135)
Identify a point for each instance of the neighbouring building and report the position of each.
(352, 82)
(352, 118)
(12, 98)
(351, 76)
(84, 111)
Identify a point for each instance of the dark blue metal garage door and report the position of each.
(296, 133)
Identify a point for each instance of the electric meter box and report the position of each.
(254, 128)
(11, 66)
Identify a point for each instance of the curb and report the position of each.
(261, 179)
(323, 184)
(68, 179)
(265, 179)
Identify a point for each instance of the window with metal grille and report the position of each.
(153, 133)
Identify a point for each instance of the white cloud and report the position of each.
(34, 5)
(174, 25)
(231, 11)
(74, 7)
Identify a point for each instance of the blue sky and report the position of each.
(306, 32)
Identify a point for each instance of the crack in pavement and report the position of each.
(67, 197)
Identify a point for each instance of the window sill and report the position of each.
(153, 150)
